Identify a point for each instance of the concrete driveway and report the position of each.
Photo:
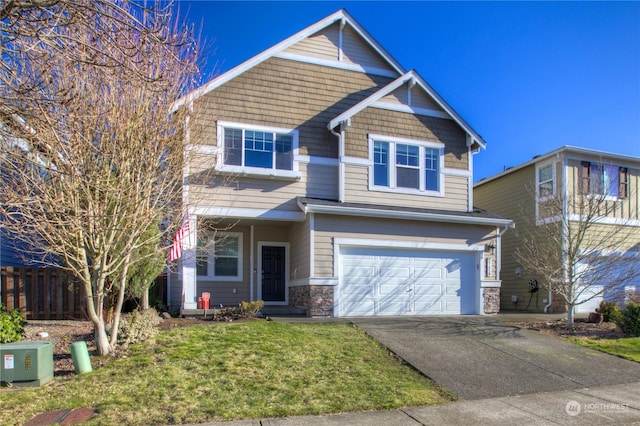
(482, 357)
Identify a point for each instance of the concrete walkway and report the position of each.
(505, 375)
(610, 405)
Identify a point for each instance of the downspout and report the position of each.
(499, 233)
(340, 137)
(471, 153)
(251, 262)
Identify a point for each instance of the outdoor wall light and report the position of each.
(490, 248)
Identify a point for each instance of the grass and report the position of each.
(628, 348)
(226, 371)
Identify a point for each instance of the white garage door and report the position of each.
(379, 281)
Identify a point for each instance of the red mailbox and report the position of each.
(206, 297)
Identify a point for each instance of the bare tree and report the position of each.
(576, 252)
(93, 155)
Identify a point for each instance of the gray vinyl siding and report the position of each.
(419, 99)
(300, 250)
(357, 183)
(329, 227)
(355, 51)
(325, 45)
(317, 181)
(321, 45)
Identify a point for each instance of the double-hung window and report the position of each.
(545, 181)
(406, 166)
(219, 256)
(604, 180)
(257, 150)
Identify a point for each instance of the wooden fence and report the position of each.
(42, 293)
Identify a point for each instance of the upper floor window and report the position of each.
(406, 166)
(604, 179)
(545, 181)
(219, 256)
(257, 150)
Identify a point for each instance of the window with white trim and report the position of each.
(408, 166)
(604, 179)
(545, 181)
(219, 256)
(257, 150)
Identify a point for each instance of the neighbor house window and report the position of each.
(545, 181)
(219, 256)
(405, 166)
(604, 179)
(257, 149)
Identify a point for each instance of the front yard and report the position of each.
(223, 371)
(605, 337)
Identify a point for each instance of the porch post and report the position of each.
(189, 290)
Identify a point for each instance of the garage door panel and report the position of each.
(363, 288)
(427, 290)
(360, 308)
(428, 308)
(392, 308)
(406, 282)
(394, 272)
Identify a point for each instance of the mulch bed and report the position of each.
(580, 328)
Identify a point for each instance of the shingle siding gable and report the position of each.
(404, 125)
(289, 94)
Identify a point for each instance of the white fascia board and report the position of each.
(372, 41)
(370, 100)
(336, 64)
(403, 215)
(445, 106)
(283, 45)
(411, 110)
(403, 244)
(245, 213)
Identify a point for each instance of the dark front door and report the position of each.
(273, 274)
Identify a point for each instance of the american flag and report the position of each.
(176, 247)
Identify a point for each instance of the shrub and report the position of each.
(138, 326)
(249, 309)
(11, 325)
(629, 321)
(610, 311)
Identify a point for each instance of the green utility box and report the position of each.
(26, 363)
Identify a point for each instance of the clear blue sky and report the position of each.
(527, 76)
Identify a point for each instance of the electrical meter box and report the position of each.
(26, 363)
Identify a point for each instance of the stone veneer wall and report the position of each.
(318, 300)
(491, 296)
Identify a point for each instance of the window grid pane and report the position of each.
(432, 163)
(381, 163)
(233, 146)
(407, 155)
(284, 152)
(545, 181)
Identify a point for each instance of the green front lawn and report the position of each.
(226, 371)
(628, 348)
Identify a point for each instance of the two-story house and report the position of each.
(342, 184)
(573, 177)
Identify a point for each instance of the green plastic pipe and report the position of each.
(80, 356)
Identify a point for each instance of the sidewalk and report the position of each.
(609, 405)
